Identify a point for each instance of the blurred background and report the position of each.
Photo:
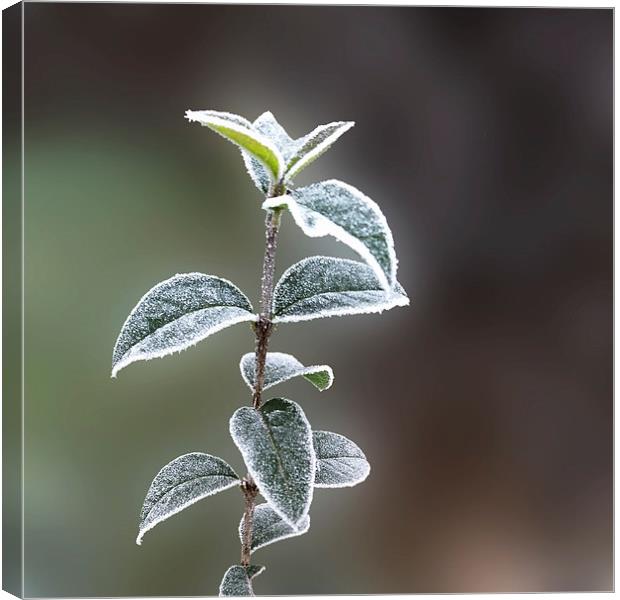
(485, 408)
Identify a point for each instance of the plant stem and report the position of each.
(263, 329)
(264, 326)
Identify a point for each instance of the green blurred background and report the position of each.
(484, 408)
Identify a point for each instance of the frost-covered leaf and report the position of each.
(339, 462)
(276, 444)
(176, 314)
(257, 172)
(267, 125)
(340, 210)
(280, 367)
(311, 146)
(269, 527)
(181, 483)
(323, 286)
(242, 133)
(237, 580)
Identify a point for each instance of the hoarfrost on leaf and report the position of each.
(180, 484)
(339, 462)
(342, 211)
(257, 172)
(176, 314)
(237, 580)
(311, 146)
(276, 443)
(296, 153)
(324, 286)
(241, 132)
(281, 367)
(269, 527)
(267, 125)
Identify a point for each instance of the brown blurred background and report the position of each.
(485, 408)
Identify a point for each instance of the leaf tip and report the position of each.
(117, 366)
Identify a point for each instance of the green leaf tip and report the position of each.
(280, 367)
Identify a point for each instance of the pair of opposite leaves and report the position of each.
(285, 457)
(179, 312)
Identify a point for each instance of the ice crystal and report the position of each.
(323, 286)
(269, 527)
(237, 580)
(182, 482)
(276, 444)
(280, 367)
(339, 462)
(176, 314)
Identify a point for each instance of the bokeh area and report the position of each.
(485, 408)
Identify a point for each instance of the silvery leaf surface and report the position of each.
(324, 286)
(276, 444)
(311, 146)
(280, 367)
(269, 527)
(339, 462)
(237, 580)
(176, 314)
(241, 132)
(267, 125)
(342, 211)
(180, 484)
(257, 172)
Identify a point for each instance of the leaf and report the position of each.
(257, 172)
(267, 125)
(269, 527)
(241, 132)
(312, 145)
(339, 462)
(276, 444)
(323, 286)
(176, 314)
(338, 209)
(237, 580)
(180, 484)
(280, 367)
